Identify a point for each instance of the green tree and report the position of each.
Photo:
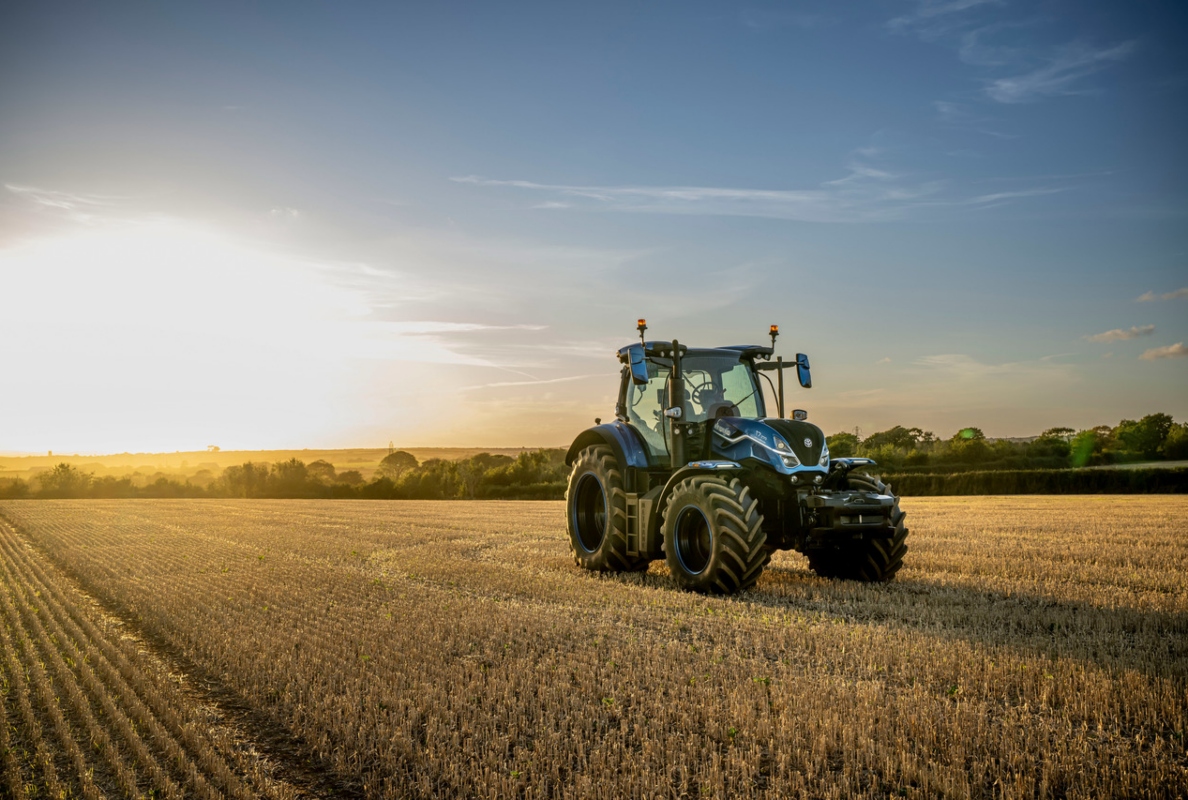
(64, 480)
(842, 444)
(321, 471)
(899, 436)
(1145, 437)
(1052, 443)
(436, 479)
(352, 477)
(1175, 446)
(969, 446)
(396, 464)
(248, 480)
(289, 479)
(1088, 446)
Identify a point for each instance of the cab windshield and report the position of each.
(717, 385)
(720, 385)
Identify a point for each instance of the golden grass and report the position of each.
(1031, 647)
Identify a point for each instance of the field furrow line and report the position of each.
(51, 639)
(42, 761)
(102, 688)
(65, 741)
(201, 753)
(14, 777)
(68, 677)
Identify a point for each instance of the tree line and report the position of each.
(931, 462)
(1155, 437)
(534, 475)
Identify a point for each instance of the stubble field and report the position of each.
(1031, 647)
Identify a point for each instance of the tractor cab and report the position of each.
(718, 383)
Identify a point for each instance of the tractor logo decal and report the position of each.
(808, 442)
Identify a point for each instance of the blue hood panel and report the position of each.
(737, 438)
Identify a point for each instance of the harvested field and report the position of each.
(1031, 647)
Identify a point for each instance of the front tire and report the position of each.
(713, 535)
(872, 560)
(596, 513)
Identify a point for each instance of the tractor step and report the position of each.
(641, 539)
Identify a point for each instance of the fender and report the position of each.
(690, 469)
(621, 438)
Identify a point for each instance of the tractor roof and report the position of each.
(747, 351)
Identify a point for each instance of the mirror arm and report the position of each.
(780, 374)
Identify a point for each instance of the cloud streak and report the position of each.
(1070, 65)
(1177, 350)
(77, 207)
(933, 14)
(1122, 334)
(865, 194)
(1148, 297)
(501, 384)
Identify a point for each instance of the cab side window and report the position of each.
(645, 409)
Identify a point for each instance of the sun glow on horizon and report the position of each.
(159, 335)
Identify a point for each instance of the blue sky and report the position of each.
(314, 224)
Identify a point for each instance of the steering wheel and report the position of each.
(701, 393)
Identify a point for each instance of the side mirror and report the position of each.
(639, 366)
(802, 371)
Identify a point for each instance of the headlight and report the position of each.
(824, 462)
(791, 462)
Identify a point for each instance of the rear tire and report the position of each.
(869, 560)
(596, 513)
(713, 535)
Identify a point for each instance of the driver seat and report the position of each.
(723, 409)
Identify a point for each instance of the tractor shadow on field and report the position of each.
(1151, 642)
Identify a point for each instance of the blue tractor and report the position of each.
(695, 470)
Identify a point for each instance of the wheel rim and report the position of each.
(694, 540)
(589, 513)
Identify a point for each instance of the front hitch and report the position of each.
(839, 468)
(848, 514)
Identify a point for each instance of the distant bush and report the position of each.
(1043, 481)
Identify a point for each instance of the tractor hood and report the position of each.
(786, 445)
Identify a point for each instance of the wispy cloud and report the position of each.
(428, 328)
(1061, 75)
(1122, 334)
(533, 382)
(999, 197)
(1147, 297)
(78, 207)
(960, 115)
(1177, 350)
(866, 193)
(764, 19)
(1018, 72)
(963, 366)
(934, 13)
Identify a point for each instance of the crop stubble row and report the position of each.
(88, 713)
(1031, 647)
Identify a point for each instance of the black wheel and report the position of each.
(713, 535)
(596, 513)
(868, 560)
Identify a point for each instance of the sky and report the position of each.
(279, 225)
